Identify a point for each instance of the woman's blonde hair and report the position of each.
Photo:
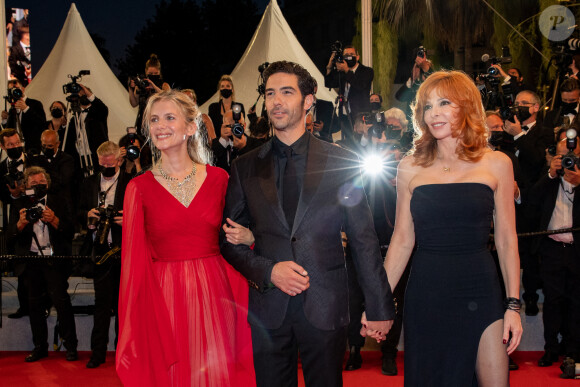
(469, 128)
(197, 147)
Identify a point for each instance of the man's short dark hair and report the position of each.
(350, 46)
(570, 84)
(306, 82)
(9, 132)
(518, 71)
(378, 95)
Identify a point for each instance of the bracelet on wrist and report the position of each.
(512, 303)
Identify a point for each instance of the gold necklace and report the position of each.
(446, 169)
(183, 190)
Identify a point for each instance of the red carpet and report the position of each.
(56, 371)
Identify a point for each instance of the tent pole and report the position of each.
(367, 33)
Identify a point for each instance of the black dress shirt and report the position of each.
(300, 153)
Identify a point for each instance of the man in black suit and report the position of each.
(82, 142)
(26, 116)
(568, 109)
(353, 81)
(296, 194)
(324, 119)
(98, 192)
(556, 201)
(531, 140)
(45, 230)
(19, 59)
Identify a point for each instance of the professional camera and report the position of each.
(133, 151)
(14, 177)
(336, 47)
(379, 125)
(262, 84)
(73, 89)
(570, 160)
(421, 52)
(34, 209)
(104, 222)
(14, 94)
(237, 127)
(141, 82)
(505, 58)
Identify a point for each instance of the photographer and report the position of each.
(140, 89)
(217, 110)
(422, 68)
(102, 209)
(26, 115)
(567, 112)
(136, 156)
(41, 225)
(206, 122)
(353, 81)
(323, 118)
(554, 198)
(230, 145)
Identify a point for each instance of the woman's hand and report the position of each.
(237, 234)
(512, 322)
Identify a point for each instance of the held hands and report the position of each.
(376, 329)
(512, 323)
(290, 277)
(237, 234)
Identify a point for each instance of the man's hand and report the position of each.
(49, 217)
(240, 143)
(572, 177)
(513, 128)
(22, 221)
(376, 329)
(555, 165)
(87, 91)
(290, 277)
(20, 105)
(342, 66)
(318, 125)
(119, 219)
(16, 191)
(122, 152)
(503, 73)
(4, 115)
(94, 213)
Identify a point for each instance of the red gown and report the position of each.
(182, 308)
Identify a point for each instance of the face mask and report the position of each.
(108, 171)
(48, 152)
(40, 190)
(84, 100)
(569, 108)
(226, 93)
(350, 61)
(14, 153)
(375, 106)
(496, 138)
(523, 113)
(56, 113)
(156, 79)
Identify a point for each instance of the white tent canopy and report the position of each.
(74, 51)
(272, 41)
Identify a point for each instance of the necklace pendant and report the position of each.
(446, 169)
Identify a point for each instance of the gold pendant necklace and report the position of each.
(182, 190)
(446, 169)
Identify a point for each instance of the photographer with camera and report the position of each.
(26, 115)
(135, 154)
(233, 141)
(217, 110)
(353, 81)
(206, 122)
(102, 209)
(567, 112)
(142, 87)
(19, 57)
(324, 121)
(41, 225)
(422, 68)
(553, 196)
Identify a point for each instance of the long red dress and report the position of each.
(182, 308)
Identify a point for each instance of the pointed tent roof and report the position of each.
(74, 51)
(272, 41)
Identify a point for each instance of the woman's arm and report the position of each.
(403, 239)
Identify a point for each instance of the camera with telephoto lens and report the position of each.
(237, 127)
(14, 177)
(133, 151)
(104, 222)
(141, 82)
(14, 94)
(336, 47)
(421, 52)
(570, 160)
(379, 125)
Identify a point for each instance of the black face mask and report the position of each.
(350, 61)
(496, 138)
(226, 93)
(156, 79)
(14, 153)
(56, 113)
(84, 100)
(375, 106)
(40, 190)
(48, 152)
(108, 171)
(568, 108)
(523, 113)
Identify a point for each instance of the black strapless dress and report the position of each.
(453, 293)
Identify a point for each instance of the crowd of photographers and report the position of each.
(63, 177)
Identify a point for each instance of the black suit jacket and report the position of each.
(96, 127)
(61, 169)
(90, 199)
(543, 199)
(330, 202)
(555, 118)
(531, 152)
(325, 112)
(360, 87)
(32, 123)
(18, 62)
(221, 154)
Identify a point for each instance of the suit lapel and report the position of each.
(267, 181)
(315, 167)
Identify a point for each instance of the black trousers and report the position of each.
(276, 351)
(560, 269)
(43, 277)
(106, 282)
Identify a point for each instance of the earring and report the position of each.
(184, 137)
